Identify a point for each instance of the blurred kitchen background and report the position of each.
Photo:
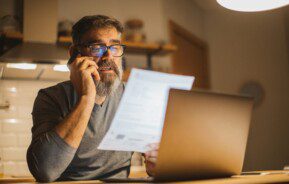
(227, 51)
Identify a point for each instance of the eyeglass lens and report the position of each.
(100, 50)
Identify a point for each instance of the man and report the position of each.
(71, 118)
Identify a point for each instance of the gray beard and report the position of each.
(106, 88)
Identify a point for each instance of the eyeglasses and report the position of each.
(98, 50)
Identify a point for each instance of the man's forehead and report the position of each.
(102, 35)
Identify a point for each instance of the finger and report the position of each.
(94, 72)
(147, 154)
(79, 57)
(152, 160)
(86, 63)
(79, 60)
(153, 153)
(96, 75)
(76, 59)
(154, 145)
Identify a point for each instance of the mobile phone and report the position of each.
(73, 56)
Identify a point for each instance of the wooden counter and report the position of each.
(10, 179)
(276, 178)
(136, 172)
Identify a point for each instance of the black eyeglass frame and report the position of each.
(102, 45)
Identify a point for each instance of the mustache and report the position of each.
(110, 64)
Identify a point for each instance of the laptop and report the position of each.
(204, 136)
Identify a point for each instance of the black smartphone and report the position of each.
(73, 57)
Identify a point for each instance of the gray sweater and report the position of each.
(50, 158)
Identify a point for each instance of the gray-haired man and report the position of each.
(71, 118)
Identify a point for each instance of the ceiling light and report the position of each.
(22, 66)
(252, 5)
(61, 68)
(10, 120)
(12, 89)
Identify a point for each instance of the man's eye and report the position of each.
(98, 52)
(116, 48)
(96, 47)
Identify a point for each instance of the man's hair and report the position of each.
(93, 22)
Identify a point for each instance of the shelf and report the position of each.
(132, 47)
(148, 49)
(14, 35)
(136, 48)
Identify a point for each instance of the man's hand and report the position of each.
(151, 158)
(83, 72)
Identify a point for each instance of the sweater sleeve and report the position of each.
(48, 154)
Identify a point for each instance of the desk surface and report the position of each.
(276, 178)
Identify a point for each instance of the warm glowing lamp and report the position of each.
(252, 5)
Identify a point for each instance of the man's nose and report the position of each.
(107, 55)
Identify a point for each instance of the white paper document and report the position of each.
(140, 116)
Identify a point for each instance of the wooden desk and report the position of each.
(9, 179)
(277, 178)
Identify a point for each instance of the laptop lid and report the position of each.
(204, 135)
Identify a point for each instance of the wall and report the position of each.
(8, 7)
(40, 16)
(12, 7)
(286, 22)
(242, 47)
(154, 13)
(252, 46)
(185, 13)
(149, 11)
(16, 123)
